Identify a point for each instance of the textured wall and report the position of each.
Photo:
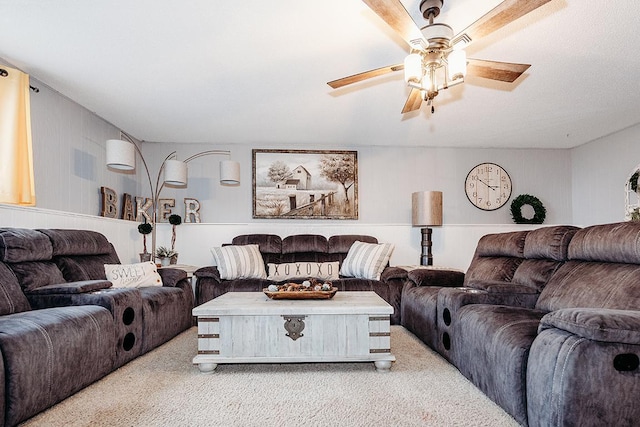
(600, 171)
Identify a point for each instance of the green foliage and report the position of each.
(526, 199)
(145, 228)
(175, 219)
(163, 252)
(633, 181)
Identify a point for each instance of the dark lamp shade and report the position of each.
(426, 208)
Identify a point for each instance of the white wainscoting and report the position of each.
(453, 244)
(122, 234)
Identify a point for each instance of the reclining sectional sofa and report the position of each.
(545, 322)
(63, 325)
(302, 248)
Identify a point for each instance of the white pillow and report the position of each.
(239, 262)
(133, 275)
(290, 270)
(366, 260)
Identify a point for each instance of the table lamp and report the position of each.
(426, 209)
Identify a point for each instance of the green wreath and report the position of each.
(633, 181)
(526, 199)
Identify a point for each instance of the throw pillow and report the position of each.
(239, 262)
(366, 260)
(290, 270)
(133, 275)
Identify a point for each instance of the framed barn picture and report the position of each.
(305, 184)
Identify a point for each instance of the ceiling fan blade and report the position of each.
(413, 101)
(494, 70)
(396, 16)
(365, 75)
(506, 12)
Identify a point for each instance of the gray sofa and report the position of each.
(545, 322)
(63, 325)
(303, 248)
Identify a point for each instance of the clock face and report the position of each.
(488, 186)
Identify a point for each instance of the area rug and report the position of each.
(163, 388)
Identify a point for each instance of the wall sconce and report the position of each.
(121, 155)
(426, 209)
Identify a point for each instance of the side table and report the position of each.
(189, 269)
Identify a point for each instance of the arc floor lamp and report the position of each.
(121, 155)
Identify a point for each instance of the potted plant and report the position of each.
(144, 229)
(174, 220)
(165, 255)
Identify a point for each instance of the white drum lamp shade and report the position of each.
(121, 154)
(229, 172)
(175, 172)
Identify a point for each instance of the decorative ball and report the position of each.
(145, 228)
(317, 288)
(326, 287)
(306, 283)
(272, 288)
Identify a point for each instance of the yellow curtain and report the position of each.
(16, 155)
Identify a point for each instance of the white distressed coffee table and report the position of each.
(248, 327)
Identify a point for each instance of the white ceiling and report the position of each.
(255, 71)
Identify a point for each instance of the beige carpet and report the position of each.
(163, 388)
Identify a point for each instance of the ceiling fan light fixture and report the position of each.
(413, 68)
(457, 64)
(439, 35)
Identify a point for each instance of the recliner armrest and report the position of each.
(208, 272)
(390, 273)
(81, 287)
(171, 276)
(436, 277)
(598, 324)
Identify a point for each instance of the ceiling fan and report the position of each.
(436, 55)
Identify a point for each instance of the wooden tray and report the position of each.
(301, 294)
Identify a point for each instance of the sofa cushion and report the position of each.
(270, 245)
(549, 243)
(77, 242)
(23, 244)
(291, 270)
(90, 267)
(618, 242)
(592, 284)
(366, 260)
(239, 262)
(305, 247)
(133, 275)
(604, 325)
(12, 300)
(502, 245)
(34, 275)
(535, 273)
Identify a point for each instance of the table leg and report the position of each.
(382, 365)
(207, 368)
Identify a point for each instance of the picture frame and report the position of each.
(305, 184)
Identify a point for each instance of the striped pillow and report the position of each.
(239, 262)
(366, 260)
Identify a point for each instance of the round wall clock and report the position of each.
(488, 186)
